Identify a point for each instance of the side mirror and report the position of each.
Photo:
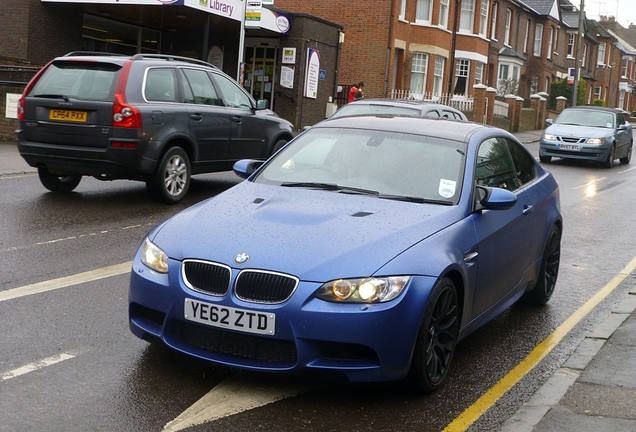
(624, 127)
(261, 104)
(494, 198)
(549, 121)
(246, 167)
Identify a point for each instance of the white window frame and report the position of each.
(402, 10)
(420, 16)
(508, 27)
(493, 24)
(462, 70)
(549, 54)
(443, 13)
(598, 92)
(601, 53)
(479, 73)
(584, 56)
(419, 70)
(483, 21)
(538, 39)
(438, 77)
(571, 41)
(525, 39)
(467, 16)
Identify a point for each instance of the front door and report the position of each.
(260, 71)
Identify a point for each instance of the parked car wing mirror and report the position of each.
(494, 198)
(549, 121)
(246, 167)
(624, 127)
(261, 104)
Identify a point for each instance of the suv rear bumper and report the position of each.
(110, 162)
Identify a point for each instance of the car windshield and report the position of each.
(589, 118)
(362, 109)
(381, 164)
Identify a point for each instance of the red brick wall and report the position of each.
(363, 56)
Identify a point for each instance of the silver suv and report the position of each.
(153, 118)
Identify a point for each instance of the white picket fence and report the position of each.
(459, 102)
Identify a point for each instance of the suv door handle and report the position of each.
(237, 119)
(527, 209)
(197, 117)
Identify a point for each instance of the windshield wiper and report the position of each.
(330, 187)
(52, 96)
(414, 199)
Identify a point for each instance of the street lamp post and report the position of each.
(577, 60)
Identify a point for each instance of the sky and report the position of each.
(623, 10)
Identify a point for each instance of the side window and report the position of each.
(160, 85)
(495, 167)
(200, 91)
(448, 114)
(524, 163)
(232, 94)
(431, 113)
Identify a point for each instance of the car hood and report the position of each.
(578, 131)
(314, 235)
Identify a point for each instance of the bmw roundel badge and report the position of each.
(241, 258)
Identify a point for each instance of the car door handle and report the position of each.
(197, 117)
(527, 209)
(237, 119)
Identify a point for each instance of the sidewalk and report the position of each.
(595, 390)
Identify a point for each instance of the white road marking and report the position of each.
(590, 183)
(36, 365)
(235, 395)
(67, 281)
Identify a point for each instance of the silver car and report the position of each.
(400, 107)
(591, 133)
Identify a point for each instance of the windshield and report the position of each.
(589, 118)
(362, 109)
(382, 164)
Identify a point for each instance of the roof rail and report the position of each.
(93, 53)
(172, 57)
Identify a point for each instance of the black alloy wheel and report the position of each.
(549, 271)
(610, 157)
(627, 159)
(58, 183)
(437, 338)
(172, 179)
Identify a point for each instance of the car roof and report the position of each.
(403, 102)
(121, 58)
(596, 108)
(434, 127)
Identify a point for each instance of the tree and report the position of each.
(562, 88)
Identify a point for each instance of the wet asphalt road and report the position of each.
(102, 378)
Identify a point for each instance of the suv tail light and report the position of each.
(28, 88)
(124, 114)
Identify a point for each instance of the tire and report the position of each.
(609, 162)
(545, 159)
(58, 183)
(627, 159)
(279, 145)
(548, 272)
(172, 179)
(435, 344)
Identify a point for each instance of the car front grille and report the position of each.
(264, 287)
(206, 277)
(280, 353)
(571, 140)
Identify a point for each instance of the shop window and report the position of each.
(104, 35)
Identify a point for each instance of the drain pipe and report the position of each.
(388, 49)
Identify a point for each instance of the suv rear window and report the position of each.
(79, 80)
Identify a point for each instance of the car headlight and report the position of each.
(363, 290)
(154, 257)
(549, 137)
(595, 141)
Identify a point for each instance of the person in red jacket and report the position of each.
(354, 90)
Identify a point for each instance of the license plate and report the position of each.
(68, 115)
(243, 320)
(569, 147)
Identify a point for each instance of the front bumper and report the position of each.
(592, 152)
(364, 343)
